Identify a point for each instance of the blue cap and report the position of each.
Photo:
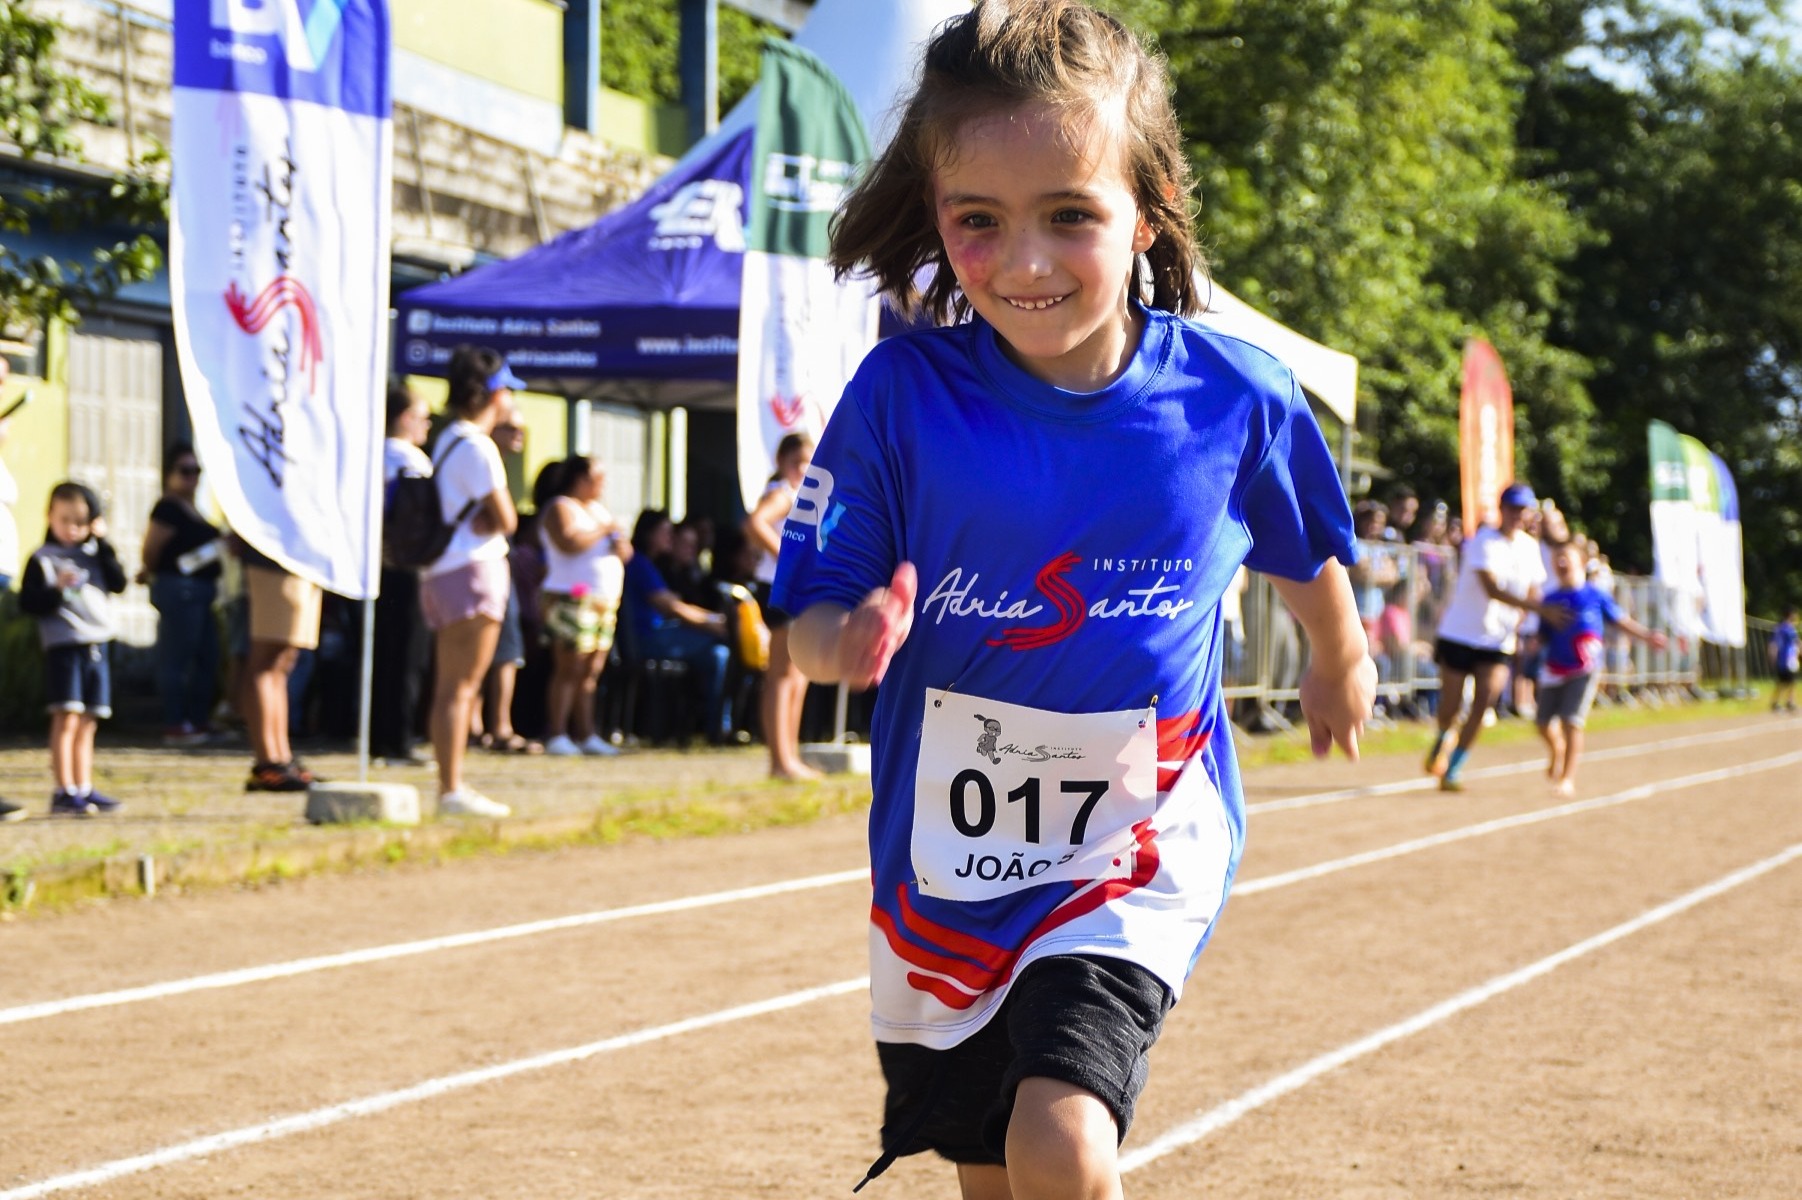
(1518, 495)
(505, 379)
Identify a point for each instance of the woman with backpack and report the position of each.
(402, 645)
(463, 594)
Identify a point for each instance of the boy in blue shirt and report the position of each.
(1786, 661)
(1573, 662)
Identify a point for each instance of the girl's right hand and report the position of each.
(875, 629)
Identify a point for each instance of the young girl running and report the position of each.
(1022, 525)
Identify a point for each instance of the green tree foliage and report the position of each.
(640, 42)
(40, 106)
(1357, 168)
(1676, 133)
(1605, 189)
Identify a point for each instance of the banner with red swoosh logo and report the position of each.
(279, 265)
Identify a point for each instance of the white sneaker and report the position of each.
(563, 747)
(594, 743)
(470, 803)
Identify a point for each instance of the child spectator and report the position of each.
(66, 585)
(1786, 661)
(1572, 662)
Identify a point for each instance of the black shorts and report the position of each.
(1785, 677)
(1087, 1021)
(1456, 656)
(78, 679)
(773, 618)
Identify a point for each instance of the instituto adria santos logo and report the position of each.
(305, 31)
(701, 209)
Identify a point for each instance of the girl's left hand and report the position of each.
(1336, 705)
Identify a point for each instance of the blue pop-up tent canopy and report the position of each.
(643, 304)
(649, 292)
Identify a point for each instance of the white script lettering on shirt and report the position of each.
(954, 597)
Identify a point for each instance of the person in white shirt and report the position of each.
(585, 553)
(403, 646)
(463, 595)
(784, 687)
(1500, 577)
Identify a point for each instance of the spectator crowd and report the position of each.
(559, 631)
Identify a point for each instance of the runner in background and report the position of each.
(1786, 661)
(784, 687)
(1500, 574)
(1022, 526)
(1573, 661)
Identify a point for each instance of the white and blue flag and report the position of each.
(279, 237)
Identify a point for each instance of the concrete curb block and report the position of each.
(357, 803)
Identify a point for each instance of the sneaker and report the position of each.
(276, 777)
(595, 744)
(103, 803)
(470, 803)
(563, 746)
(11, 812)
(181, 736)
(68, 804)
(1440, 755)
(1451, 783)
(411, 758)
(300, 771)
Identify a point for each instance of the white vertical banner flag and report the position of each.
(279, 234)
(801, 333)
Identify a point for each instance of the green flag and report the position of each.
(1696, 536)
(801, 333)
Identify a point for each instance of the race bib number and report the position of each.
(1008, 797)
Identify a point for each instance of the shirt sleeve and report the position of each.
(1293, 506)
(842, 538)
(472, 470)
(1611, 609)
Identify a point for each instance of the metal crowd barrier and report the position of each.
(1402, 589)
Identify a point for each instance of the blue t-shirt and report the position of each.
(1072, 551)
(1577, 648)
(643, 580)
(1788, 646)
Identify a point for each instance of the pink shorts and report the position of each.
(477, 589)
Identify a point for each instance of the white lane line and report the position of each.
(319, 1118)
(1265, 883)
(436, 1087)
(1427, 782)
(1224, 1115)
(374, 954)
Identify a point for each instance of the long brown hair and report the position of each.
(998, 56)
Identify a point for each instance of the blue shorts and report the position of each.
(511, 645)
(78, 679)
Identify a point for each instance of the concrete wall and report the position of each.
(515, 43)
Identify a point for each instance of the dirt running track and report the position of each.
(1665, 1062)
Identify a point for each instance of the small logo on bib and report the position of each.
(990, 746)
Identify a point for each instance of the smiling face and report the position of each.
(1040, 226)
